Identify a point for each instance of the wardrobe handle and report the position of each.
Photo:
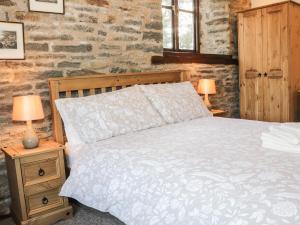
(265, 74)
(259, 75)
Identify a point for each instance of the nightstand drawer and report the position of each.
(40, 169)
(43, 201)
(42, 187)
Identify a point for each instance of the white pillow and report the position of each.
(176, 102)
(82, 122)
(127, 110)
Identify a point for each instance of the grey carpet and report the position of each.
(82, 216)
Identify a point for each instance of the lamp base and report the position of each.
(207, 102)
(30, 139)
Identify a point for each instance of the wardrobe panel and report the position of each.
(294, 59)
(250, 51)
(275, 63)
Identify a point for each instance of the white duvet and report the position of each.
(209, 171)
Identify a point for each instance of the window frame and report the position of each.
(177, 56)
(175, 26)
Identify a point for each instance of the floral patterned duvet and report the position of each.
(208, 171)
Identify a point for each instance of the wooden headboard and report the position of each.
(66, 87)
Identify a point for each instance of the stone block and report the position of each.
(126, 38)
(102, 33)
(110, 47)
(41, 85)
(82, 28)
(4, 190)
(123, 29)
(85, 18)
(155, 36)
(79, 72)
(52, 73)
(117, 70)
(73, 48)
(4, 206)
(100, 3)
(22, 88)
(133, 22)
(7, 2)
(67, 64)
(154, 25)
(37, 47)
(49, 37)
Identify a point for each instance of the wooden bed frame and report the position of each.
(95, 84)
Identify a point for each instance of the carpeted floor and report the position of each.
(82, 216)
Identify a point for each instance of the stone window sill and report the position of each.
(192, 57)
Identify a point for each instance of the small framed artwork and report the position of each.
(47, 6)
(12, 40)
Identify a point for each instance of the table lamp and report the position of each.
(207, 87)
(28, 108)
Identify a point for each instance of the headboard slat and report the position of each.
(92, 84)
(68, 94)
(80, 93)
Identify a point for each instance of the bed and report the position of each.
(205, 171)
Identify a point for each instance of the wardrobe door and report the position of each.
(250, 58)
(275, 67)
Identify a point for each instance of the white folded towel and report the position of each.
(286, 134)
(284, 137)
(269, 140)
(282, 148)
(292, 127)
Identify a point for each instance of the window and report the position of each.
(180, 25)
(181, 31)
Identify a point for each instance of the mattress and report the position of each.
(208, 171)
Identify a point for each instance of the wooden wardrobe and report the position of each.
(269, 58)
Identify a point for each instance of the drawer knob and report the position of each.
(41, 172)
(45, 201)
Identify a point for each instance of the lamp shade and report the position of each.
(207, 86)
(27, 108)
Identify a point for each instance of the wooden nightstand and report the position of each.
(218, 112)
(35, 178)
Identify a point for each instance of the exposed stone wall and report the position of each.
(219, 25)
(215, 27)
(105, 36)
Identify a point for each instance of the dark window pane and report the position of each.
(168, 30)
(186, 4)
(167, 2)
(186, 31)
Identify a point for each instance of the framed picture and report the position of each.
(47, 6)
(12, 40)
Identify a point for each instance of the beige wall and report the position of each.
(258, 3)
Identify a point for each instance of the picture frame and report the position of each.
(47, 6)
(12, 40)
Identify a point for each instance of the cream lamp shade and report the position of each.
(27, 108)
(207, 87)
